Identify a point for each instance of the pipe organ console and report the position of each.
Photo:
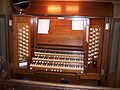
(62, 60)
(58, 44)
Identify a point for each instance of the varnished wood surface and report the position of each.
(30, 85)
(70, 8)
(61, 33)
(27, 72)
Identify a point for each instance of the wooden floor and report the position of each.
(14, 84)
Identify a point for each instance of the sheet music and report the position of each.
(43, 26)
(77, 25)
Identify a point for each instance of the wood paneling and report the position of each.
(117, 10)
(70, 8)
(5, 6)
(61, 33)
(115, 60)
(118, 68)
(2, 36)
(4, 11)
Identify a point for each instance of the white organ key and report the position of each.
(24, 32)
(93, 35)
(19, 37)
(97, 33)
(89, 47)
(27, 55)
(20, 30)
(89, 51)
(26, 37)
(89, 59)
(27, 48)
(23, 28)
(20, 45)
(27, 30)
(91, 32)
(26, 41)
(26, 26)
(90, 37)
(90, 44)
(20, 34)
(96, 29)
(91, 29)
(24, 46)
(90, 40)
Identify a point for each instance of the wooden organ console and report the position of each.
(68, 45)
